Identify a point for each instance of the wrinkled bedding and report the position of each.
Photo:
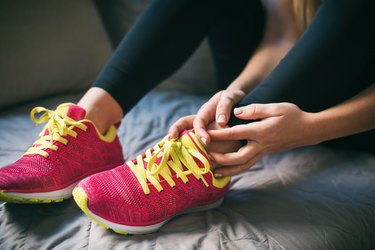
(308, 198)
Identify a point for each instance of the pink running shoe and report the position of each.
(140, 196)
(68, 149)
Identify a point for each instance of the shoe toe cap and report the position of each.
(112, 197)
(20, 176)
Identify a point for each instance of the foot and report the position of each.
(140, 196)
(68, 149)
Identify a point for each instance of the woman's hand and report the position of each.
(277, 127)
(218, 108)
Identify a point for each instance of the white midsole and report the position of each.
(58, 194)
(154, 227)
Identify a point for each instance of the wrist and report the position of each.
(317, 131)
(242, 84)
(312, 131)
(235, 93)
(235, 87)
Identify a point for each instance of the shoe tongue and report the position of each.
(72, 111)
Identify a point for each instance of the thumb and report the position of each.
(255, 111)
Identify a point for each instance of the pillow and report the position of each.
(48, 47)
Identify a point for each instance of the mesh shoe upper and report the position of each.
(68, 149)
(118, 195)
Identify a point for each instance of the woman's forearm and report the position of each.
(279, 37)
(260, 65)
(353, 116)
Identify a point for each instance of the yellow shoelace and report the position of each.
(180, 153)
(58, 126)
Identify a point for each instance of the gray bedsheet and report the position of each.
(308, 198)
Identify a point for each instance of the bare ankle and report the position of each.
(100, 124)
(101, 108)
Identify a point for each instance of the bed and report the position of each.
(308, 198)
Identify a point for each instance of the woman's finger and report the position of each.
(257, 111)
(201, 121)
(242, 156)
(184, 123)
(200, 131)
(225, 105)
(224, 109)
(238, 132)
(233, 170)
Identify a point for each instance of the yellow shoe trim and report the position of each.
(4, 197)
(220, 183)
(109, 136)
(80, 197)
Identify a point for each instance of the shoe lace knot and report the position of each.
(58, 127)
(169, 154)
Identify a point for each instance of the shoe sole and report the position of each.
(44, 197)
(81, 199)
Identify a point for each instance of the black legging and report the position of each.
(333, 60)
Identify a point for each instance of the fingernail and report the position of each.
(221, 118)
(204, 140)
(170, 137)
(237, 111)
(218, 175)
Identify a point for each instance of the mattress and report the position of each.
(308, 198)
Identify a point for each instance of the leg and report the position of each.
(327, 65)
(234, 39)
(161, 40)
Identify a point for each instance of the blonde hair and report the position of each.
(304, 11)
